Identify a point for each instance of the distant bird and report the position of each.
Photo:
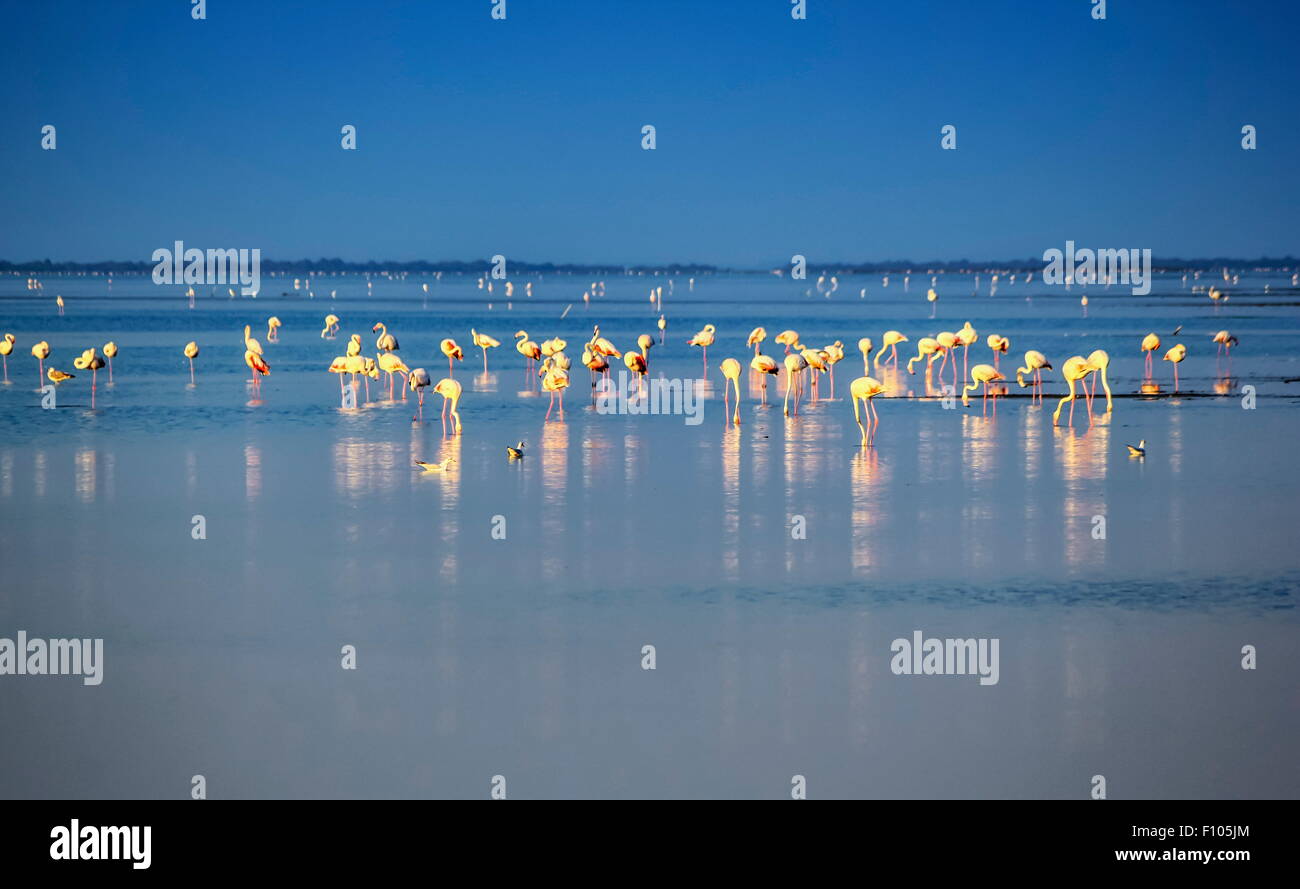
(40, 352)
(704, 339)
(890, 341)
(191, 352)
(865, 389)
(110, 352)
(1226, 341)
(663, 325)
(1175, 356)
(331, 327)
(58, 376)
(435, 467)
(1140, 451)
(1035, 363)
(453, 353)
(7, 349)
(58, 301)
(484, 342)
(273, 329)
(1150, 343)
(730, 368)
(515, 453)
(1177, 330)
(980, 374)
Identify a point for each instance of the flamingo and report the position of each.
(110, 352)
(636, 363)
(1035, 363)
(965, 338)
(816, 362)
(417, 380)
(794, 364)
(273, 329)
(787, 338)
(948, 341)
(191, 352)
(527, 348)
(933, 299)
(556, 380)
(1098, 361)
(1226, 341)
(391, 364)
(890, 341)
(331, 327)
(354, 346)
(7, 349)
(58, 301)
(1074, 370)
(484, 342)
(386, 342)
(258, 366)
(91, 361)
(926, 347)
(251, 344)
(1175, 356)
(663, 325)
(834, 355)
(453, 353)
(1150, 343)
(704, 339)
(596, 363)
(865, 346)
(1000, 345)
(553, 346)
(730, 368)
(980, 374)
(756, 337)
(766, 366)
(864, 389)
(40, 352)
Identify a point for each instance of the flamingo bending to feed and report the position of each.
(1098, 361)
(453, 353)
(730, 368)
(331, 327)
(980, 374)
(636, 363)
(484, 342)
(766, 366)
(1035, 362)
(890, 341)
(787, 338)
(926, 347)
(1074, 370)
(865, 389)
(1150, 343)
(756, 337)
(418, 380)
(834, 355)
(1226, 341)
(273, 329)
(1000, 346)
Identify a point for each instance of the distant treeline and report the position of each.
(303, 266)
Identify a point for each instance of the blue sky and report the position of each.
(522, 137)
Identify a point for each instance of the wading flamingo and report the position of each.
(1035, 363)
(40, 352)
(1150, 343)
(1098, 361)
(391, 364)
(556, 380)
(927, 348)
(354, 346)
(965, 338)
(794, 364)
(453, 353)
(766, 366)
(865, 346)
(110, 352)
(890, 341)
(191, 352)
(1226, 341)
(273, 329)
(636, 363)
(529, 349)
(1175, 356)
(553, 346)
(484, 342)
(663, 325)
(834, 355)
(730, 368)
(594, 362)
(756, 337)
(1000, 346)
(418, 380)
(1074, 370)
(865, 389)
(386, 342)
(250, 344)
(787, 338)
(90, 361)
(331, 327)
(704, 339)
(980, 374)
(948, 342)
(258, 366)
(7, 349)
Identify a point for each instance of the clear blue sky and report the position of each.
(522, 137)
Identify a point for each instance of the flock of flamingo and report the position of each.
(597, 352)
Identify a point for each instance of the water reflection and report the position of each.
(1083, 471)
(731, 503)
(85, 475)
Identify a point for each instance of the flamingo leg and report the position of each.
(192, 373)
(550, 406)
(110, 371)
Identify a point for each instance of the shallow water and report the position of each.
(522, 657)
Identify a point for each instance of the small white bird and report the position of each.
(435, 467)
(1140, 451)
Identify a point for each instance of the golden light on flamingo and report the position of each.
(730, 368)
(386, 342)
(980, 375)
(417, 381)
(110, 352)
(58, 301)
(663, 326)
(794, 365)
(1074, 370)
(834, 355)
(354, 346)
(890, 341)
(1175, 356)
(636, 363)
(331, 327)
(553, 346)
(927, 348)
(966, 337)
(1225, 341)
(1150, 343)
(556, 381)
(90, 361)
(250, 344)
(527, 348)
(40, 352)
(453, 353)
(704, 339)
(756, 337)
(865, 346)
(390, 364)
(766, 366)
(947, 343)
(191, 352)
(7, 349)
(787, 338)
(484, 342)
(1099, 361)
(1000, 345)
(273, 329)
(817, 364)
(258, 366)
(1035, 362)
(865, 389)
